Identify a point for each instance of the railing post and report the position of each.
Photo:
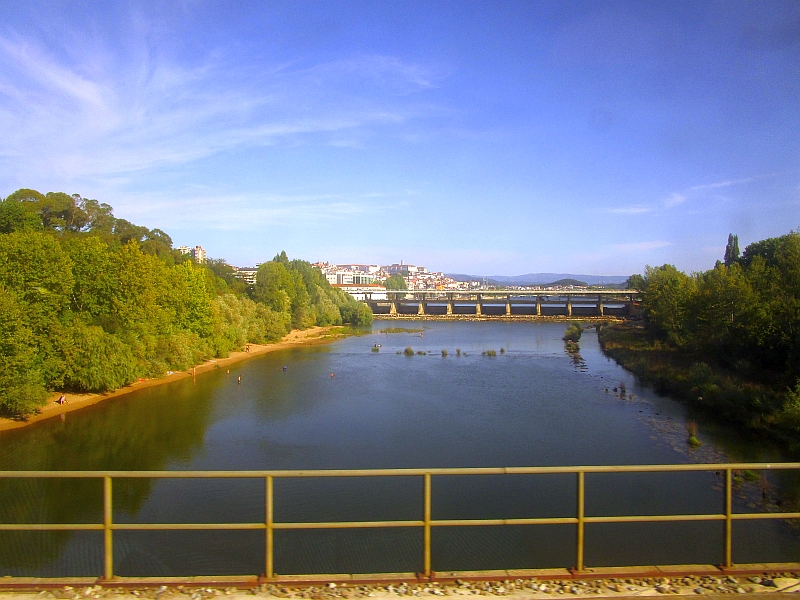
(728, 517)
(581, 489)
(427, 528)
(108, 533)
(270, 550)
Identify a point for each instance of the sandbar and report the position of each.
(77, 401)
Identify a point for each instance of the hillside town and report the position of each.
(361, 280)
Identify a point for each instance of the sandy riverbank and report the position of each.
(314, 335)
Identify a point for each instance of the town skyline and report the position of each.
(481, 137)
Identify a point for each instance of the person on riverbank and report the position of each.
(62, 399)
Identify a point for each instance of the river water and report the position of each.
(530, 405)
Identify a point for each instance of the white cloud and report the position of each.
(247, 212)
(127, 113)
(675, 199)
(722, 184)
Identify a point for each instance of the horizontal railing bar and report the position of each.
(379, 524)
(348, 525)
(186, 526)
(745, 516)
(401, 472)
(653, 518)
(482, 522)
(51, 527)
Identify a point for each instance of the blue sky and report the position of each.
(479, 137)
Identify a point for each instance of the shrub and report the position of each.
(409, 351)
(101, 362)
(573, 333)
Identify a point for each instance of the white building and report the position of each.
(247, 274)
(198, 254)
(371, 291)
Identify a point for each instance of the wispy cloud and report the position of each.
(723, 184)
(131, 113)
(250, 211)
(637, 209)
(675, 199)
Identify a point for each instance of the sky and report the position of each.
(473, 137)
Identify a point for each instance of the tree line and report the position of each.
(742, 316)
(90, 302)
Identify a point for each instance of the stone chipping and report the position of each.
(519, 589)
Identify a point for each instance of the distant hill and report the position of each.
(543, 279)
(566, 282)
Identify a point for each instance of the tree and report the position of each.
(18, 216)
(395, 282)
(636, 282)
(722, 310)
(732, 250)
(667, 301)
(274, 286)
(22, 388)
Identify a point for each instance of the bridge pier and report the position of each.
(397, 304)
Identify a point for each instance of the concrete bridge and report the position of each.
(508, 303)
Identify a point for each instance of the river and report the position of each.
(531, 405)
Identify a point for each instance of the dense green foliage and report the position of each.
(89, 302)
(731, 250)
(737, 325)
(573, 333)
(395, 282)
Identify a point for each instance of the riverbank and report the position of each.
(77, 401)
(750, 405)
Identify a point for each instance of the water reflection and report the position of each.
(530, 405)
(141, 431)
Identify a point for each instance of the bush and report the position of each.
(409, 351)
(101, 361)
(22, 388)
(573, 333)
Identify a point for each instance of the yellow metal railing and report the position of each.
(108, 526)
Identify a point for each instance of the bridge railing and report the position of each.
(426, 523)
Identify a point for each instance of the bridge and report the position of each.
(507, 303)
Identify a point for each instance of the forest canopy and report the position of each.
(743, 317)
(90, 302)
